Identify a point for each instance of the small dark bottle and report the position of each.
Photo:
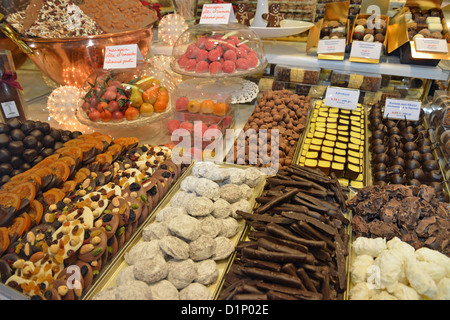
(11, 105)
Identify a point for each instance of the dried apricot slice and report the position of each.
(10, 200)
(25, 190)
(104, 158)
(4, 239)
(60, 169)
(53, 195)
(48, 160)
(69, 186)
(72, 151)
(27, 218)
(36, 211)
(18, 226)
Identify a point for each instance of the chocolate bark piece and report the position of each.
(409, 213)
(360, 227)
(382, 229)
(32, 13)
(117, 16)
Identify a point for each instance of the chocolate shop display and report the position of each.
(356, 207)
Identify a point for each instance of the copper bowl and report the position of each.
(70, 61)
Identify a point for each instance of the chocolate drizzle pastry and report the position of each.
(413, 214)
(297, 244)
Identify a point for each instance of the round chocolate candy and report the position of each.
(358, 36)
(368, 38)
(369, 31)
(379, 37)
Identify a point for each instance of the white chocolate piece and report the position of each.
(338, 29)
(368, 38)
(435, 27)
(433, 20)
(360, 28)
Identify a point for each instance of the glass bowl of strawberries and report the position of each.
(218, 50)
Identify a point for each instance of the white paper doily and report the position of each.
(247, 94)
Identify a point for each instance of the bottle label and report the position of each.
(10, 109)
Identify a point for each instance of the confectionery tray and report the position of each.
(347, 214)
(111, 265)
(368, 157)
(108, 277)
(365, 170)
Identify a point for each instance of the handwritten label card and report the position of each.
(331, 46)
(366, 50)
(431, 45)
(402, 109)
(218, 13)
(342, 98)
(122, 57)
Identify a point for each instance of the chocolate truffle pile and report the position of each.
(333, 29)
(425, 24)
(402, 153)
(298, 241)
(280, 110)
(364, 31)
(413, 214)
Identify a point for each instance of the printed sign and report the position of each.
(331, 46)
(221, 13)
(122, 57)
(342, 98)
(402, 109)
(431, 45)
(366, 50)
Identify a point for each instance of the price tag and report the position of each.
(331, 46)
(122, 57)
(342, 98)
(366, 50)
(431, 45)
(10, 109)
(217, 13)
(402, 109)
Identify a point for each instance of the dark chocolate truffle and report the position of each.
(358, 36)
(379, 37)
